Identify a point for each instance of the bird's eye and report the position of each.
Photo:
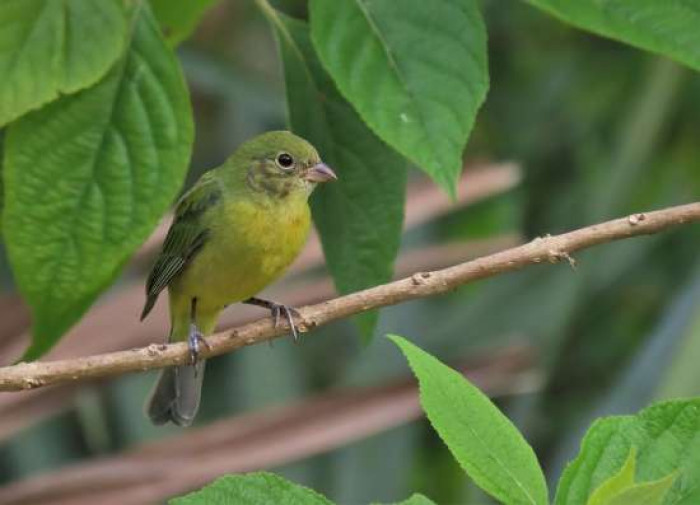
(285, 161)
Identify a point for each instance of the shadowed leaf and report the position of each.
(415, 71)
(360, 216)
(669, 27)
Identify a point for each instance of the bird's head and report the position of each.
(280, 164)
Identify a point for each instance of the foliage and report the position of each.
(253, 489)
(47, 38)
(98, 133)
(375, 55)
(486, 444)
(88, 177)
(415, 71)
(263, 489)
(668, 28)
(178, 19)
(372, 182)
(499, 460)
(664, 435)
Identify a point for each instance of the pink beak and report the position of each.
(320, 173)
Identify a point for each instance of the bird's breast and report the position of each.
(249, 246)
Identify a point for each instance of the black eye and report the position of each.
(285, 160)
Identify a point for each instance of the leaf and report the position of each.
(620, 481)
(50, 48)
(484, 442)
(646, 493)
(669, 27)
(179, 18)
(667, 439)
(415, 71)
(252, 489)
(88, 177)
(415, 499)
(360, 216)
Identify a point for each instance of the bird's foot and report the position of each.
(195, 341)
(279, 310)
(289, 314)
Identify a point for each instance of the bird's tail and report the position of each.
(176, 395)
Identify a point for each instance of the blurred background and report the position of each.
(575, 130)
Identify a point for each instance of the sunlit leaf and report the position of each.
(54, 47)
(645, 493)
(667, 439)
(88, 177)
(620, 481)
(484, 442)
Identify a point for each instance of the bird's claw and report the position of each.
(195, 339)
(289, 313)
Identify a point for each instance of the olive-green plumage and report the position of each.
(234, 232)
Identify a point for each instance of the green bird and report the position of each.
(234, 232)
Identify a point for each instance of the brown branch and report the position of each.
(420, 285)
(19, 411)
(424, 202)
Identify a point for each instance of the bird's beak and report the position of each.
(320, 173)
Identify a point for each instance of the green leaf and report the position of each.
(179, 18)
(667, 439)
(416, 72)
(360, 216)
(669, 27)
(646, 493)
(252, 489)
(88, 177)
(484, 442)
(415, 499)
(52, 47)
(622, 480)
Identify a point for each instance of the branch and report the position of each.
(550, 249)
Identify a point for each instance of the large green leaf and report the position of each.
(360, 216)
(484, 442)
(252, 489)
(666, 437)
(87, 178)
(416, 72)
(179, 18)
(668, 27)
(53, 47)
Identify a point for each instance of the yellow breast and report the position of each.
(249, 246)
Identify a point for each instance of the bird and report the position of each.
(234, 232)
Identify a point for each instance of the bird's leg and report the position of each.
(195, 337)
(277, 310)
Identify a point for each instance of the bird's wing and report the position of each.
(185, 238)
